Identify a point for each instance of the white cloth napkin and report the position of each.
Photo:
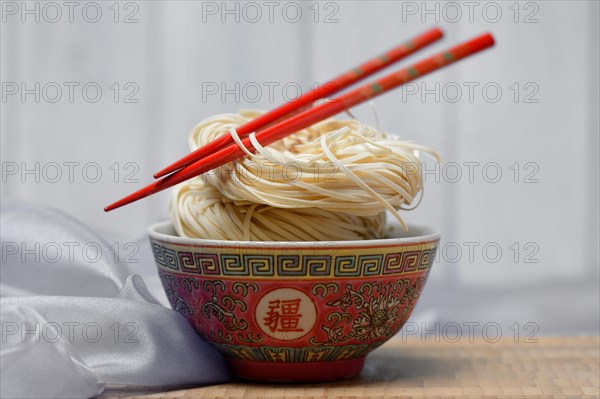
(74, 324)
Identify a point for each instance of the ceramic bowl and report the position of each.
(295, 311)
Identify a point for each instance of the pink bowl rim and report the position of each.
(165, 232)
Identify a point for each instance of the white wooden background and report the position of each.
(176, 48)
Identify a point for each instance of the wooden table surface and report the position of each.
(554, 367)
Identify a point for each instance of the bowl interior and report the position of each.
(165, 232)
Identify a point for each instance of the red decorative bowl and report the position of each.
(295, 311)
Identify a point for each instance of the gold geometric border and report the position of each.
(294, 263)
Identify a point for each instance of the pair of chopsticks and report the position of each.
(274, 126)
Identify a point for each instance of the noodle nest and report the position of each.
(331, 181)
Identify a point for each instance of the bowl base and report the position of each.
(296, 372)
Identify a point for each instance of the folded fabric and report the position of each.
(72, 327)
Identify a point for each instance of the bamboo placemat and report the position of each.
(557, 367)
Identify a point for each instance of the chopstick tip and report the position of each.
(115, 205)
(439, 31)
(490, 38)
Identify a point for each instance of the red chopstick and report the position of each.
(339, 83)
(314, 115)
